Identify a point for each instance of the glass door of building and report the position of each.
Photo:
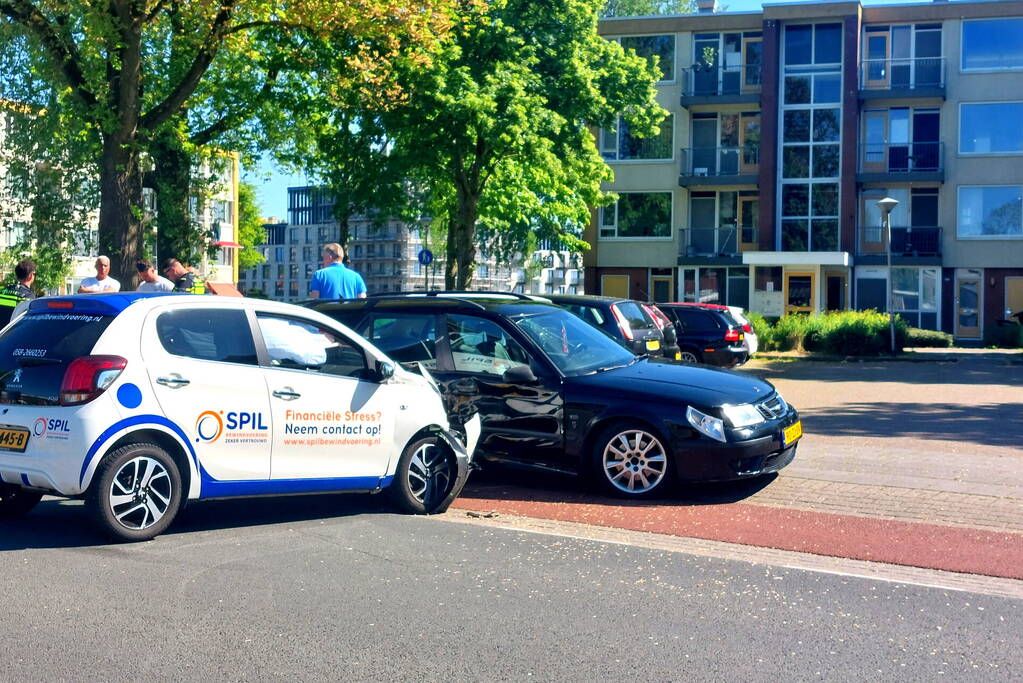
(799, 293)
(968, 307)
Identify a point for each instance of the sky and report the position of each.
(272, 191)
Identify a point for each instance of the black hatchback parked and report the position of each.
(707, 335)
(624, 319)
(555, 394)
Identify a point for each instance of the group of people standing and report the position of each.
(333, 281)
(182, 279)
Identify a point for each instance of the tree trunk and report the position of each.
(461, 248)
(120, 209)
(176, 236)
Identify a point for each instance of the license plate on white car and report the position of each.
(13, 438)
(653, 345)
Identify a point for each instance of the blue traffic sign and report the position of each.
(426, 257)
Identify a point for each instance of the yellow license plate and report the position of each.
(653, 345)
(792, 434)
(13, 439)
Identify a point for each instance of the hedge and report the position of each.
(918, 338)
(843, 333)
(1004, 336)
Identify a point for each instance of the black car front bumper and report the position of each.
(703, 459)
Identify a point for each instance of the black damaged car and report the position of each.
(556, 394)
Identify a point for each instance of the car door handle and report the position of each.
(465, 387)
(286, 394)
(174, 381)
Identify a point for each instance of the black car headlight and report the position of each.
(706, 424)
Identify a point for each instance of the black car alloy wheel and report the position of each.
(632, 461)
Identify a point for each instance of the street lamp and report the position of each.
(886, 205)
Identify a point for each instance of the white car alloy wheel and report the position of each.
(688, 357)
(140, 493)
(634, 462)
(430, 473)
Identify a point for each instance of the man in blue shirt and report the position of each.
(334, 281)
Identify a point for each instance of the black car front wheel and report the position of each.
(631, 461)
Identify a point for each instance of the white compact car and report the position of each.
(138, 402)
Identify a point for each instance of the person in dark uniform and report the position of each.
(17, 292)
(184, 279)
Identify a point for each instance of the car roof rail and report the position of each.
(374, 299)
(458, 293)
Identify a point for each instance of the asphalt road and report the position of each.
(330, 587)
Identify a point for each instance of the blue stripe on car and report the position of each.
(131, 422)
(25, 481)
(101, 304)
(214, 488)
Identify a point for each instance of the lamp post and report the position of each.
(886, 205)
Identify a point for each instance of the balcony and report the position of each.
(712, 246)
(901, 162)
(891, 78)
(917, 245)
(719, 166)
(720, 84)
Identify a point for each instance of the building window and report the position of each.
(358, 251)
(278, 253)
(727, 286)
(991, 128)
(992, 44)
(483, 270)
(637, 215)
(811, 153)
(992, 212)
(620, 145)
(660, 47)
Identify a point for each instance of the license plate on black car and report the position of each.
(792, 434)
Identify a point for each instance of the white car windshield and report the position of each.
(576, 347)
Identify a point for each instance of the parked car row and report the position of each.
(686, 332)
(140, 402)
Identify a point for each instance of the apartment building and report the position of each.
(787, 126)
(386, 255)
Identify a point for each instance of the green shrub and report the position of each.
(934, 339)
(843, 333)
(789, 332)
(1004, 336)
(761, 328)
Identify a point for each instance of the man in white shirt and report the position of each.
(102, 282)
(151, 282)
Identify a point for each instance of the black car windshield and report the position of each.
(574, 345)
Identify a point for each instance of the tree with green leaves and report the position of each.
(129, 75)
(250, 227)
(644, 8)
(500, 126)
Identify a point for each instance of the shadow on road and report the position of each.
(56, 523)
(987, 424)
(496, 483)
(973, 371)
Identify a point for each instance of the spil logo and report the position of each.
(211, 424)
(51, 428)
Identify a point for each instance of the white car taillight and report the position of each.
(88, 377)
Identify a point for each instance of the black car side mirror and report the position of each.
(519, 374)
(384, 370)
